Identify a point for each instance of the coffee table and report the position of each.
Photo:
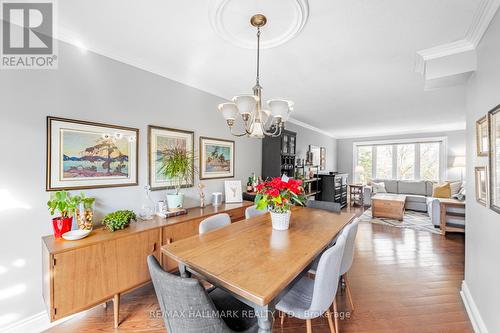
(388, 205)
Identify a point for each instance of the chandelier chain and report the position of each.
(258, 56)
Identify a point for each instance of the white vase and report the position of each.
(174, 202)
(280, 221)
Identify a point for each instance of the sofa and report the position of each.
(418, 197)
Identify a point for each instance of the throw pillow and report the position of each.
(455, 187)
(442, 191)
(379, 187)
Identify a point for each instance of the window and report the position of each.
(383, 168)
(429, 160)
(365, 160)
(405, 163)
(404, 159)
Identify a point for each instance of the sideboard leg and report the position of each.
(116, 310)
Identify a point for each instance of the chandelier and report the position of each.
(258, 122)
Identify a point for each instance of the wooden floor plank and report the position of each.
(403, 281)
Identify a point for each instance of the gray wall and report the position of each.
(482, 267)
(456, 147)
(306, 137)
(90, 87)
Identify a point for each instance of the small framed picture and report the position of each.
(87, 155)
(481, 185)
(216, 158)
(482, 136)
(232, 191)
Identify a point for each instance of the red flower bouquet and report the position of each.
(278, 194)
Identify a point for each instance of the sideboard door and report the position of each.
(90, 275)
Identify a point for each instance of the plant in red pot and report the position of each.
(63, 203)
(277, 196)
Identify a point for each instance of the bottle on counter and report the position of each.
(249, 185)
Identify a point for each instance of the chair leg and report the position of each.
(336, 316)
(309, 326)
(348, 289)
(330, 321)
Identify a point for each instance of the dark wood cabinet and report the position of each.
(334, 188)
(278, 155)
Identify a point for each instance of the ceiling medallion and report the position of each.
(289, 18)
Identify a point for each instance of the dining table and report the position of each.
(255, 263)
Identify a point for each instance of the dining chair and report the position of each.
(309, 299)
(253, 211)
(324, 205)
(187, 308)
(214, 222)
(348, 257)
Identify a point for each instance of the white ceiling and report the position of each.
(350, 70)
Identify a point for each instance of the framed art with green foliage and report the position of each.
(85, 155)
(170, 158)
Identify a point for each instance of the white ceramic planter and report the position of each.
(280, 221)
(174, 201)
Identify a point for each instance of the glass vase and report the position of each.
(84, 215)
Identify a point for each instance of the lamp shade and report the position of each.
(359, 169)
(256, 130)
(279, 107)
(246, 103)
(458, 162)
(228, 110)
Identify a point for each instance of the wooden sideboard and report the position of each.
(78, 275)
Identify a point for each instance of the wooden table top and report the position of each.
(389, 197)
(449, 201)
(101, 234)
(254, 261)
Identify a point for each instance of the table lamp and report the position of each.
(359, 172)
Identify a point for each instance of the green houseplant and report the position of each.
(118, 220)
(63, 203)
(177, 164)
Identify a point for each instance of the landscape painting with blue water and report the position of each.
(94, 155)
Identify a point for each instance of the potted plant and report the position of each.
(277, 196)
(118, 220)
(177, 165)
(63, 203)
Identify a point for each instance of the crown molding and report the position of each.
(310, 127)
(482, 19)
(480, 22)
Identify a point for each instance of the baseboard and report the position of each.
(472, 310)
(36, 323)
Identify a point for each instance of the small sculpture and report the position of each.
(201, 186)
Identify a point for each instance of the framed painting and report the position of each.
(481, 175)
(87, 155)
(482, 136)
(322, 159)
(494, 158)
(160, 140)
(216, 158)
(314, 155)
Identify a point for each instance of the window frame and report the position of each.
(443, 153)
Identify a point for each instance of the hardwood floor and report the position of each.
(402, 281)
